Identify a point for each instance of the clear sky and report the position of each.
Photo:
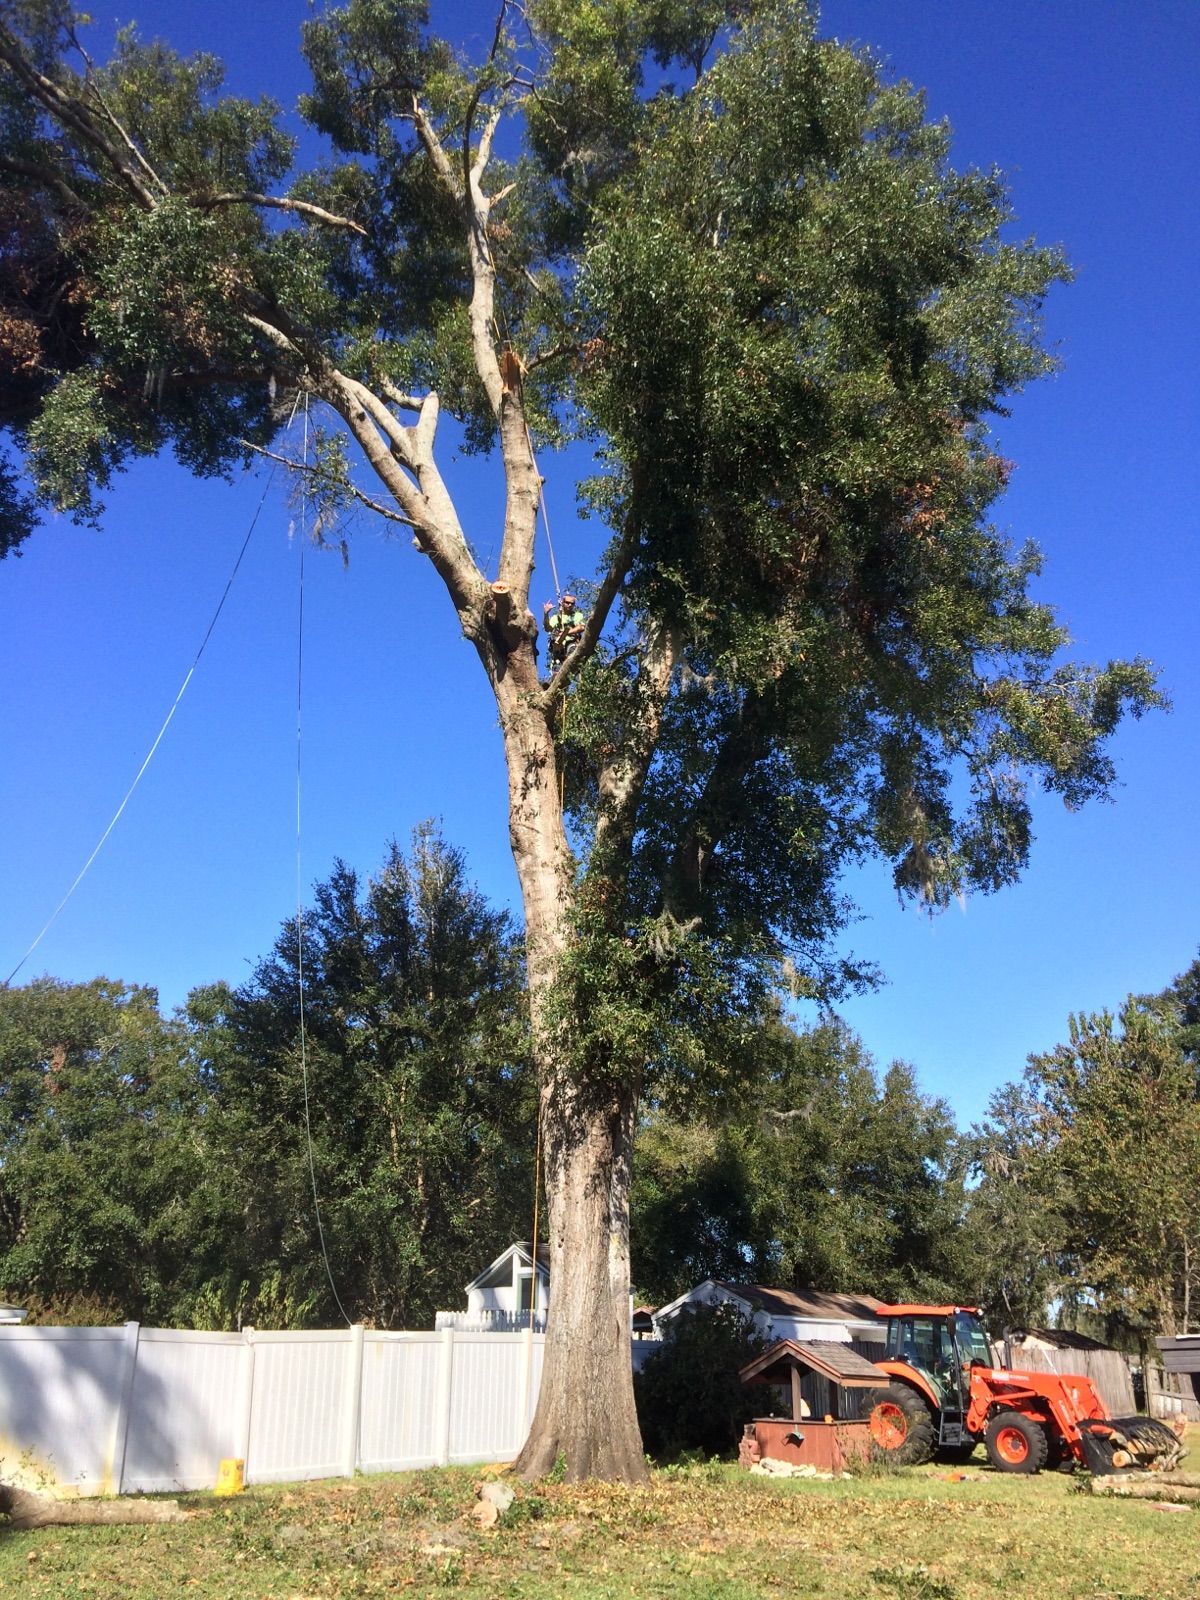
(1088, 105)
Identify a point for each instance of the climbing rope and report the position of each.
(312, 1165)
(158, 739)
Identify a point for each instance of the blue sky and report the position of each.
(1089, 108)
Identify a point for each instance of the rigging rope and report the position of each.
(312, 1165)
(117, 814)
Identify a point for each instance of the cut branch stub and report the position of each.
(513, 626)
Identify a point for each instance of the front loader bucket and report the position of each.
(1122, 1444)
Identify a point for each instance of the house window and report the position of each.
(525, 1292)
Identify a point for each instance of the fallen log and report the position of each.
(24, 1510)
(1148, 1486)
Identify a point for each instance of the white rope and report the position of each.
(119, 812)
(312, 1165)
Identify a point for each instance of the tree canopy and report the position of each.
(1090, 1173)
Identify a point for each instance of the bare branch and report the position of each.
(303, 208)
(399, 438)
(73, 114)
(436, 151)
(545, 356)
(623, 773)
(406, 402)
(305, 469)
(45, 176)
(275, 336)
(473, 105)
(123, 134)
(426, 505)
(484, 154)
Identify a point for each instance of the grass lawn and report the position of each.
(704, 1532)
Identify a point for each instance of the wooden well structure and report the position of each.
(828, 1386)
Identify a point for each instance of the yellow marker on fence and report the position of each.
(231, 1477)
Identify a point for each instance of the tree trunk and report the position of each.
(585, 1410)
(25, 1510)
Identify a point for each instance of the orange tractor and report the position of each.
(946, 1395)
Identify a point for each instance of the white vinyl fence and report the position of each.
(121, 1410)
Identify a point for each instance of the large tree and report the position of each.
(412, 1114)
(738, 257)
(1090, 1172)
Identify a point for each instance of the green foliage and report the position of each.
(1090, 1174)
(689, 1396)
(99, 1168)
(810, 1170)
(419, 1094)
(159, 1169)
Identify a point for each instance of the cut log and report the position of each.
(1146, 1486)
(25, 1510)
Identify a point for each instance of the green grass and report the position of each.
(704, 1532)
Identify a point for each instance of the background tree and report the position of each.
(1092, 1165)
(103, 1154)
(160, 1169)
(419, 1095)
(742, 259)
(823, 1174)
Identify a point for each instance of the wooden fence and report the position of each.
(1108, 1370)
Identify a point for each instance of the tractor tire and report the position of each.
(901, 1427)
(1016, 1443)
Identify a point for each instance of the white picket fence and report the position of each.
(128, 1409)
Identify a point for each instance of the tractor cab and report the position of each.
(932, 1349)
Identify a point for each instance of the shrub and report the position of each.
(689, 1396)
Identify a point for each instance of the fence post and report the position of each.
(120, 1433)
(444, 1394)
(353, 1400)
(245, 1403)
(526, 1385)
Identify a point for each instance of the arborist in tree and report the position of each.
(565, 626)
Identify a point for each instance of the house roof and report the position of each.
(805, 1302)
(500, 1270)
(1061, 1339)
(837, 1362)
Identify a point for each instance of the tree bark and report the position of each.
(26, 1510)
(585, 1411)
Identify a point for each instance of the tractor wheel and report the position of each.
(901, 1426)
(1016, 1443)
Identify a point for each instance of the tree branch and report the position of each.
(303, 469)
(545, 356)
(303, 208)
(436, 151)
(426, 505)
(71, 113)
(406, 402)
(121, 131)
(623, 775)
(45, 176)
(606, 594)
